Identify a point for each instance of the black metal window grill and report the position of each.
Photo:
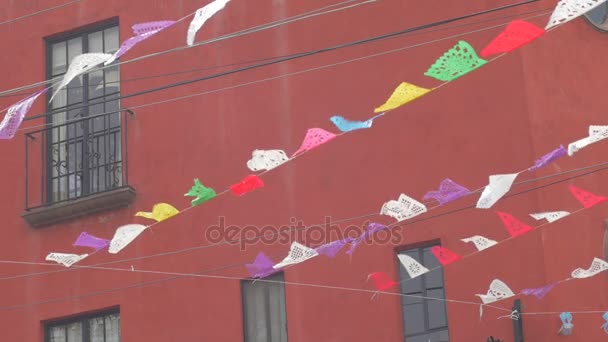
(90, 328)
(424, 319)
(82, 149)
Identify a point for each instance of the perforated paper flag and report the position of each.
(248, 184)
(539, 292)
(448, 191)
(403, 94)
(480, 242)
(402, 209)
(456, 62)
(125, 235)
(266, 160)
(518, 33)
(297, 253)
(549, 158)
(596, 133)
(79, 65)
(345, 125)
(498, 290)
(331, 249)
(261, 267)
(87, 240)
(567, 326)
(15, 114)
(66, 260)
(597, 265)
(586, 198)
(314, 137)
(371, 229)
(201, 16)
(444, 255)
(413, 267)
(200, 193)
(382, 281)
(550, 216)
(605, 325)
(160, 212)
(567, 10)
(499, 185)
(142, 32)
(513, 225)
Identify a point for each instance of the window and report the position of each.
(83, 155)
(99, 328)
(424, 319)
(264, 315)
(597, 17)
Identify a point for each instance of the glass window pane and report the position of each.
(419, 338)
(264, 311)
(113, 328)
(57, 334)
(58, 58)
(413, 317)
(436, 310)
(440, 336)
(96, 329)
(111, 39)
(96, 41)
(75, 332)
(96, 84)
(112, 80)
(74, 48)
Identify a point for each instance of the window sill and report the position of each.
(61, 212)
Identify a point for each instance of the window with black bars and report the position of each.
(423, 319)
(84, 156)
(90, 328)
(264, 316)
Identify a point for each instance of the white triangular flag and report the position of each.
(64, 259)
(567, 10)
(125, 235)
(480, 242)
(406, 207)
(201, 16)
(598, 265)
(297, 253)
(596, 133)
(498, 290)
(413, 267)
(498, 186)
(79, 65)
(550, 216)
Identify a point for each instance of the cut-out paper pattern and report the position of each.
(517, 34)
(314, 137)
(566, 328)
(539, 292)
(513, 225)
(567, 10)
(124, 235)
(66, 260)
(371, 228)
(87, 240)
(498, 290)
(261, 267)
(345, 125)
(381, 280)
(597, 266)
(448, 191)
(605, 325)
(15, 114)
(266, 159)
(200, 193)
(248, 184)
(201, 16)
(402, 209)
(480, 242)
(549, 158)
(413, 267)
(403, 94)
(444, 255)
(596, 133)
(331, 249)
(160, 212)
(142, 32)
(550, 216)
(297, 253)
(456, 62)
(586, 198)
(498, 186)
(79, 65)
